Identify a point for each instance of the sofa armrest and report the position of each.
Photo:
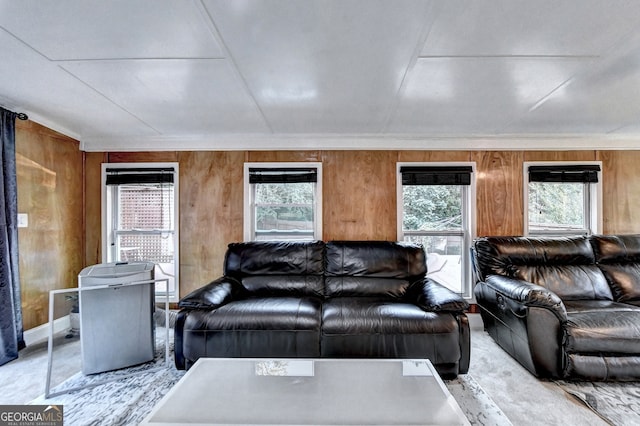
(212, 295)
(527, 294)
(525, 319)
(432, 296)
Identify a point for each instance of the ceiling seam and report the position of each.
(25, 44)
(234, 66)
(109, 99)
(422, 40)
(138, 59)
(508, 56)
(586, 70)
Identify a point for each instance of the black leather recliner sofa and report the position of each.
(563, 307)
(356, 299)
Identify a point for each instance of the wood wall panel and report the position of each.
(283, 156)
(359, 201)
(93, 206)
(359, 195)
(433, 156)
(93, 192)
(559, 155)
(50, 192)
(621, 188)
(211, 212)
(499, 192)
(142, 157)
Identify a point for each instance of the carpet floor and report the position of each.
(126, 396)
(617, 403)
(125, 401)
(128, 400)
(525, 399)
(520, 397)
(476, 404)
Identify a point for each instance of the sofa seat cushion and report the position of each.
(602, 327)
(269, 313)
(366, 315)
(363, 327)
(274, 327)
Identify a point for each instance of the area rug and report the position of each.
(121, 397)
(476, 404)
(128, 401)
(127, 396)
(617, 403)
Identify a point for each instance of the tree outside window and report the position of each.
(284, 208)
(436, 212)
(283, 201)
(562, 198)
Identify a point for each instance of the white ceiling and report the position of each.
(293, 74)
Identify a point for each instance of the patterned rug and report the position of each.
(127, 401)
(476, 404)
(616, 403)
(127, 396)
(121, 397)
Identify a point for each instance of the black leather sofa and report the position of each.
(355, 299)
(563, 307)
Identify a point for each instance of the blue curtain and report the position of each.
(11, 332)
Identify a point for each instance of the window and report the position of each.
(436, 208)
(282, 201)
(562, 198)
(139, 218)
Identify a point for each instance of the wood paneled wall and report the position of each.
(621, 186)
(93, 206)
(359, 201)
(50, 192)
(211, 211)
(499, 192)
(359, 195)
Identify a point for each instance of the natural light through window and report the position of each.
(282, 201)
(436, 211)
(562, 198)
(140, 219)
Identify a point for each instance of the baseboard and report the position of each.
(41, 333)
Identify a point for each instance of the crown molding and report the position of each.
(361, 142)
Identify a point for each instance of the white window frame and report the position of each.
(468, 217)
(249, 205)
(593, 198)
(107, 220)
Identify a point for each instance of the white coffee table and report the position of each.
(242, 391)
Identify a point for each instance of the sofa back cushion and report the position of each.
(618, 257)
(564, 265)
(372, 268)
(277, 267)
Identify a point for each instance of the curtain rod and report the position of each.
(19, 115)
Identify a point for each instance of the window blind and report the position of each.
(436, 175)
(282, 175)
(125, 176)
(585, 173)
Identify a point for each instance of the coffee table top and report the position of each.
(244, 391)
